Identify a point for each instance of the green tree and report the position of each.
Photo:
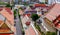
(50, 33)
(15, 13)
(53, 33)
(34, 17)
(8, 5)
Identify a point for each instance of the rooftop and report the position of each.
(5, 29)
(53, 13)
(30, 31)
(40, 5)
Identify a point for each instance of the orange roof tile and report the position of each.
(1, 22)
(5, 29)
(40, 5)
(58, 26)
(53, 13)
(8, 10)
(9, 17)
(30, 31)
(5, 34)
(57, 22)
(1, 9)
(27, 15)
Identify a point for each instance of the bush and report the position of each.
(37, 27)
(3, 3)
(42, 33)
(8, 5)
(50, 33)
(15, 13)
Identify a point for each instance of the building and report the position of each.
(5, 29)
(6, 22)
(28, 25)
(57, 24)
(52, 18)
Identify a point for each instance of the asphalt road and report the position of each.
(18, 26)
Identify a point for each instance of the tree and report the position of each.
(8, 5)
(50, 33)
(34, 17)
(15, 13)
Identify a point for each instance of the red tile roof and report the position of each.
(56, 22)
(8, 16)
(30, 31)
(1, 22)
(4, 34)
(53, 13)
(40, 5)
(58, 26)
(27, 15)
(8, 10)
(1, 9)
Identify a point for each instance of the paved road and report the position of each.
(18, 26)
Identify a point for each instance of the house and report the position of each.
(28, 9)
(21, 12)
(57, 22)
(27, 25)
(29, 15)
(5, 29)
(39, 5)
(38, 11)
(7, 13)
(42, 9)
(6, 22)
(52, 15)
